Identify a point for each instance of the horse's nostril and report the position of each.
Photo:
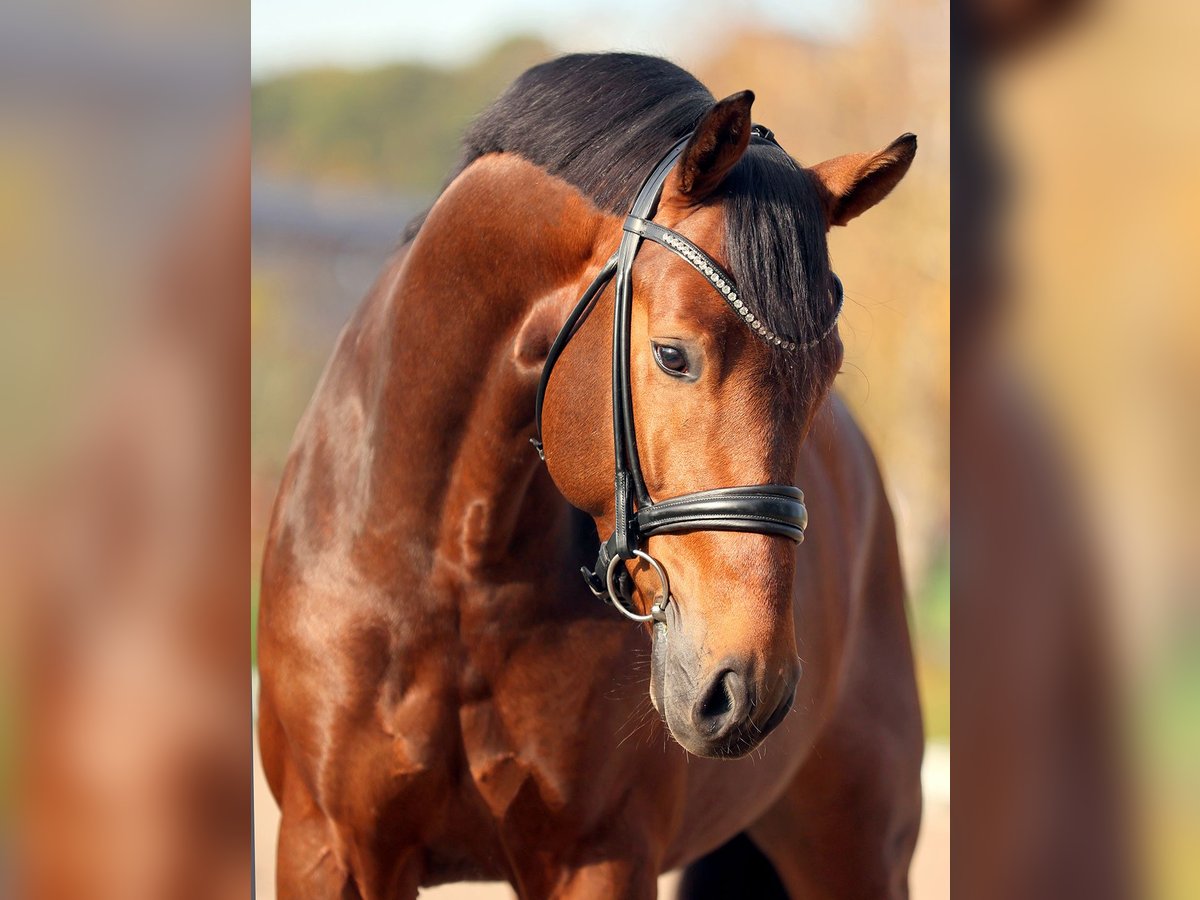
(721, 703)
(718, 702)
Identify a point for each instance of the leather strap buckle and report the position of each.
(763, 132)
(594, 582)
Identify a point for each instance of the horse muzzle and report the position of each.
(725, 713)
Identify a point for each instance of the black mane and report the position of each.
(602, 121)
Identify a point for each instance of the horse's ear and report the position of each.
(854, 183)
(716, 145)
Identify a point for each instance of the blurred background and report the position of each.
(1076, 413)
(1099, 137)
(129, 449)
(357, 110)
(124, 451)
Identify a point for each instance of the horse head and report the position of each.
(723, 392)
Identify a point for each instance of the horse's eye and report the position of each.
(671, 360)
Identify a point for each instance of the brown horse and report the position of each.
(442, 696)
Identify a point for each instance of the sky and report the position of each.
(294, 34)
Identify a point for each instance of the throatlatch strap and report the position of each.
(577, 317)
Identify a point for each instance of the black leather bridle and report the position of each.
(774, 509)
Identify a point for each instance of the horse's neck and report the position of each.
(461, 328)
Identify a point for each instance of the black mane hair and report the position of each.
(601, 121)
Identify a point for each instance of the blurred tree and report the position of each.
(397, 126)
